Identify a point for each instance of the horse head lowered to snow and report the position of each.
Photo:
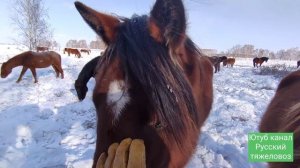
(32, 60)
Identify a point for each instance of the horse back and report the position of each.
(42, 59)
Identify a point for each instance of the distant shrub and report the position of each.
(277, 70)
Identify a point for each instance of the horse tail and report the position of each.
(254, 62)
(58, 57)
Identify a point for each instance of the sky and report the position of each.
(216, 24)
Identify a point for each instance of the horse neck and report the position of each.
(15, 61)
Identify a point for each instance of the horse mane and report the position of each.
(265, 58)
(290, 121)
(16, 57)
(156, 74)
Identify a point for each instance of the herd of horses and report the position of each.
(76, 51)
(153, 85)
(217, 60)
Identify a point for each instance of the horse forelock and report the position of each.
(148, 64)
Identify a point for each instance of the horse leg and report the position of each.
(56, 70)
(57, 67)
(34, 74)
(60, 70)
(216, 70)
(24, 69)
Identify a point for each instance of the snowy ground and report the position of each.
(44, 126)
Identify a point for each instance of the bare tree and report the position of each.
(82, 44)
(29, 17)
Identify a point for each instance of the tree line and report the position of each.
(96, 44)
(249, 51)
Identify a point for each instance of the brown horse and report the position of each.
(216, 61)
(283, 115)
(74, 51)
(298, 64)
(259, 61)
(41, 49)
(152, 83)
(229, 61)
(33, 60)
(88, 51)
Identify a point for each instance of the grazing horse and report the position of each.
(152, 83)
(298, 64)
(84, 76)
(42, 49)
(216, 61)
(33, 60)
(283, 115)
(88, 51)
(229, 61)
(74, 51)
(259, 61)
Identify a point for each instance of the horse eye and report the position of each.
(158, 125)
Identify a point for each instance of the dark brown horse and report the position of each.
(259, 61)
(41, 49)
(88, 51)
(229, 62)
(216, 61)
(152, 83)
(74, 51)
(298, 64)
(283, 115)
(84, 76)
(31, 60)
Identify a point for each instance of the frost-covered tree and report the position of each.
(30, 20)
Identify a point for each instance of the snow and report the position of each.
(44, 125)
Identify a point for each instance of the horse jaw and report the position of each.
(117, 97)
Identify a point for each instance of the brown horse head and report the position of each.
(151, 84)
(283, 115)
(5, 71)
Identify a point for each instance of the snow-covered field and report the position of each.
(44, 125)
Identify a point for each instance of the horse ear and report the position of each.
(167, 22)
(104, 25)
